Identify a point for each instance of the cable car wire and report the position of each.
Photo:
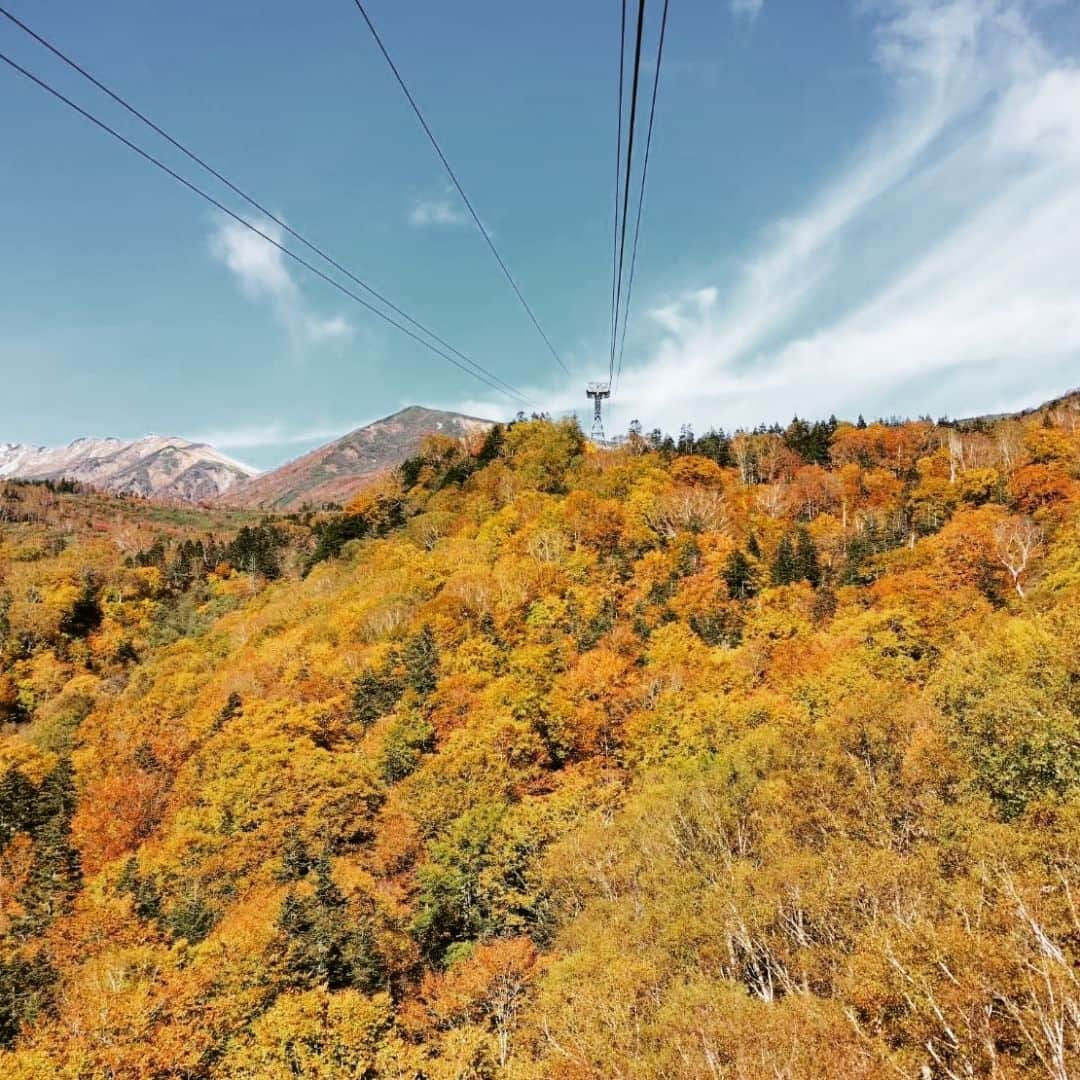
(311, 246)
(641, 193)
(627, 172)
(618, 178)
(460, 190)
(195, 189)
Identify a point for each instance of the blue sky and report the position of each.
(865, 207)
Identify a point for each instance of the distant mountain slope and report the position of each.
(158, 466)
(332, 473)
(1066, 404)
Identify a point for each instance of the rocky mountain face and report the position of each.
(157, 466)
(333, 473)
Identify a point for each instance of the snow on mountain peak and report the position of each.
(158, 466)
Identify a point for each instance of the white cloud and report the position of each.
(259, 436)
(443, 211)
(333, 329)
(935, 272)
(260, 269)
(747, 9)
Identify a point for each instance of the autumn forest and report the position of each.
(731, 756)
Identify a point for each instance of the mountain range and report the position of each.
(158, 466)
(171, 468)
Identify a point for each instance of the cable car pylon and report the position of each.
(597, 392)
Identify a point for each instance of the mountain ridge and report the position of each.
(331, 473)
(174, 468)
(154, 466)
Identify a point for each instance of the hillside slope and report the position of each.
(759, 757)
(158, 466)
(1058, 409)
(333, 473)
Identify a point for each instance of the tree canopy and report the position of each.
(748, 754)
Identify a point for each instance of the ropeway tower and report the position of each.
(597, 391)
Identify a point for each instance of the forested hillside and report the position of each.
(748, 756)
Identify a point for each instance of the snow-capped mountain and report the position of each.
(158, 466)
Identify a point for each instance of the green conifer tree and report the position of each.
(26, 989)
(784, 569)
(325, 943)
(375, 693)
(55, 874)
(17, 795)
(807, 565)
(739, 576)
(421, 658)
(295, 859)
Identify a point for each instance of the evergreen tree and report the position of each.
(716, 446)
(722, 627)
(492, 444)
(688, 558)
(17, 795)
(126, 653)
(231, 709)
(421, 659)
(213, 554)
(5, 615)
(191, 919)
(375, 693)
(26, 985)
(255, 550)
(293, 917)
(327, 895)
(325, 945)
(152, 556)
(55, 796)
(784, 568)
(145, 758)
(85, 615)
(807, 566)
(144, 892)
(295, 859)
(870, 541)
(797, 435)
(178, 572)
(334, 534)
(753, 548)
(739, 576)
(812, 442)
(54, 877)
(409, 472)
(408, 739)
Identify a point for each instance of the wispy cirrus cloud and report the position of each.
(936, 270)
(747, 9)
(263, 276)
(272, 434)
(443, 211)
